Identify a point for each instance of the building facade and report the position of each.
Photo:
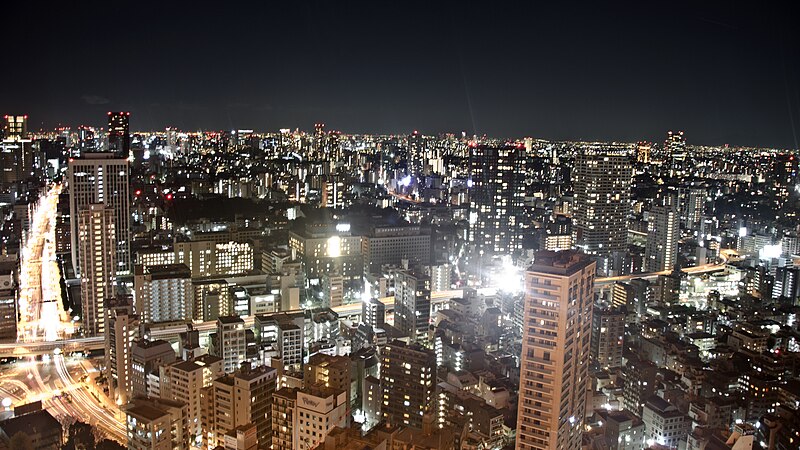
(554, 376)
(101, 178)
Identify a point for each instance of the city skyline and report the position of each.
(356, 226)
(624, 73)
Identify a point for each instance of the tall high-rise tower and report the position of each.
(663, 233)
(497, 198)
(119, 135)
(554, 366)
(101, 178)
(97, 248)
(602, 203)
(675, 150)
(121, 329)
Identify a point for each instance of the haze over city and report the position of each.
(725, 72)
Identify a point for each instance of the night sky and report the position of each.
(724, 74)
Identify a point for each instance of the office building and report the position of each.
(184, 381)
(243, 437)
(675, 150)
(412, 299)
(97, 249)
(497, 175)
(211, 258)
(18, 158)
(332, 290)
(155, 256)
(663, 234)
(329, 371)
(119, 135)
(391, 245)
(408, 381)
(240, 398)
(554, 376)
(146, 357)
(101, 178)
(328, 248)
(664, 424)
(230, 343)
(290, 344)
(557, 235)
(284, 414)
(693, 207)
(163, 293)
(602, 183)
(157, 424)
(373, 313)
(320, 409)
(122, 328)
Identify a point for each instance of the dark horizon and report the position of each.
(724, 75)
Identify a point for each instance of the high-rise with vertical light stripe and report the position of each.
(497, 196)
(602, 180)
(101, 178)
(554, 374)
(98, 258)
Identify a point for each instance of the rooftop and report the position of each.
(167, 271)
(36, 422)
(565, 262)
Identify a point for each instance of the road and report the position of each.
(726, 255)
(56, 382)
(64, 384)
(40, 308)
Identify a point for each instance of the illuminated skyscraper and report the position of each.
(416, 154)
(554, 374)
(15, 127)
(16, 152)
(412, 313)
(675, 151)
(663, 233)
(496, 198)
(119, 135)
(783, 176)
(97, 248)
(121, 330)
(602, 181)
(101, 178)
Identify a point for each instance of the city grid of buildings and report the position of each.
(295, 290)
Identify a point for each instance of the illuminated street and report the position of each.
(56, 381)
(61, 383)
(41, 310)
